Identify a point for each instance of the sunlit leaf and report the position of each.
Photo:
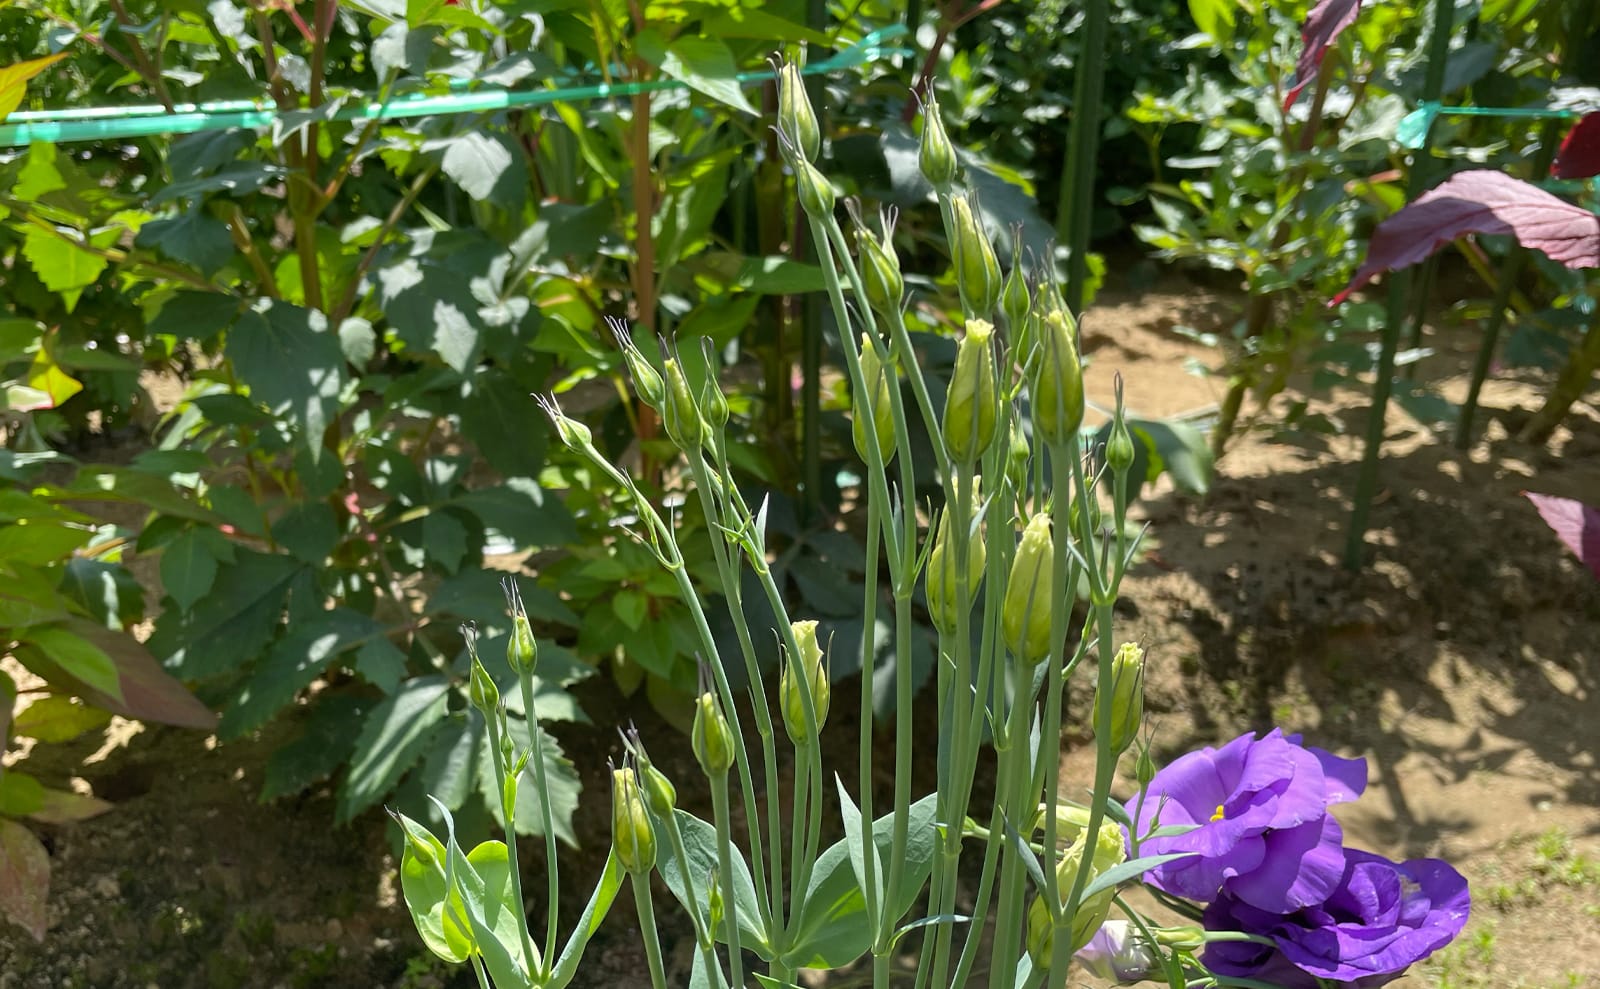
(14, 80)
(1577, 526)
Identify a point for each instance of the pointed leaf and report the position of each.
(291, 665)
(63, 807)
(1579, 157)
(700, 845)
(605, 892)
(14, 82)
(1481, 201)
(702, 63)
(393, 736)
(58, 718)
(324, 745)
(188, 568)
(1577, 526)
(858, 848)
(78, 657)
(422, 881)
(230, 625)
(24, 878)
(1326, 21)
(149, 693)
(293, 364)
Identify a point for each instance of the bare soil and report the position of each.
(1463, 662)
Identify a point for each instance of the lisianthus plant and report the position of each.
(1238, 841)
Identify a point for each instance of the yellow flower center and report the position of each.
(1219, 815)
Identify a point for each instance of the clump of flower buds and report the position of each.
(972, 408)
(790, 693)
(1025, 615)
(1107, 853)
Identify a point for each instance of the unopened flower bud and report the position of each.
(1057, 385)
(646, 379)
(877, 378)
(1117, 953)
(711, 738)
(522, 652)
(716, 912)
(1071, 821)
(1025, 616)
(659, 793)
(1119, 445)
(977, 269)
(483, 693)
(1188, 937)
(941, 586)
(816, 192)
(1144, 767)
(795, 117)
(1017, 458)
(574, 435)
(713, 403)
(1127, 698)
(971, 409)
(880, 271)
(680, 414)
(632, 834)
(937, 156)
(1107, 853)
(1015, 301)
(790, 694)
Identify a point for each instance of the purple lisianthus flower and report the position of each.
(1116, 954)
(1264, 833)
(1383, 917)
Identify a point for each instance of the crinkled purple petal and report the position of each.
(1347, 778)
(1303, 866)
(1200, 878)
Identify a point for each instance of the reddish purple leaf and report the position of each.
(149, 693)
(24, 878)
(1481, 202)
(1322, 28)
(1577, 526)
(1579, 157)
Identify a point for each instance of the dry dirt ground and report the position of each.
(1463, 662)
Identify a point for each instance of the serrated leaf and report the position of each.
(198, 316)
(521, 511)
(432, 309)
(382, 663)
(58, 718)
(293, 364)
(475, 160)
(24, 878)
(62, 265)
(704, 64)
(323, 745)
(445, 540)
(230, 625)
(393, 735)
(450, 765)
(192, 238)
(291, 665)
(504, 422)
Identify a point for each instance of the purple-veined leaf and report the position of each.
(1579, 157)
(1577, 526)
(24, 878)
(1481, 201)
(1322, 28)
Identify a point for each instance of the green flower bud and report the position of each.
(632, 834)
(574, 434)
(1187, 937)
(937, 156)
(977, 269)
(1057, 384)
(1127, 698)
(712, 401)
(1108, 853)
(1015, 300)
(1025, 616)
(796, 119)
(1017, 458)
(1071, 821)
(680, 414)
(646, 379)
(816, 192)
(1119, 445)
(483, 693)
(522, 652)
(716, 912)
(711, 738)
(1144, 767)
(877, 379)
(885, 287)
(816, 674)
(941, 584)
(659, 793)
(972, 407)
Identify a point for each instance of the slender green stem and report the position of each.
(546, 818)
(703, 937)
(508, 812)
(798, 813)
(647, 929)
(477, 969)
(900, 830)
(869, 622)
(730, 911)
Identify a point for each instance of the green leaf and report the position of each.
(20, 794)
(13, 84)
(741, 21)
(308, 531)
(148, 693)
(504, 422)
(475, 594)
(832, 930)
(565, 786)
(490, 907)
(382, 663)
(106, 591)
(189, 567)
(323, 745)
(700, 847)
(40, 544)
(855, 840)
(631, 606)
(521, 511)
(229, 626)
(198, 316)
(704, 64)
(293, 364)
(58, 718)
(393, 735)
(1214, 17)
(24, 878)
(427, 889)
(192, 238)
(605, 892)
(445, 540)
(432, 308)
(75, 655)
(358, 341)
(64, 807)
(476, 160)
(451, 761)
(64, 267)
(1126, 871)
(291, 665)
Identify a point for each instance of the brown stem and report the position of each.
(146, 68)
(950, 19)
(348, 300)
(93, 39)
(246, 245)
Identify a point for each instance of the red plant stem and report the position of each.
(949, 21)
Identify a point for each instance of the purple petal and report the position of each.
(1303, 866)
(1347, 778)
